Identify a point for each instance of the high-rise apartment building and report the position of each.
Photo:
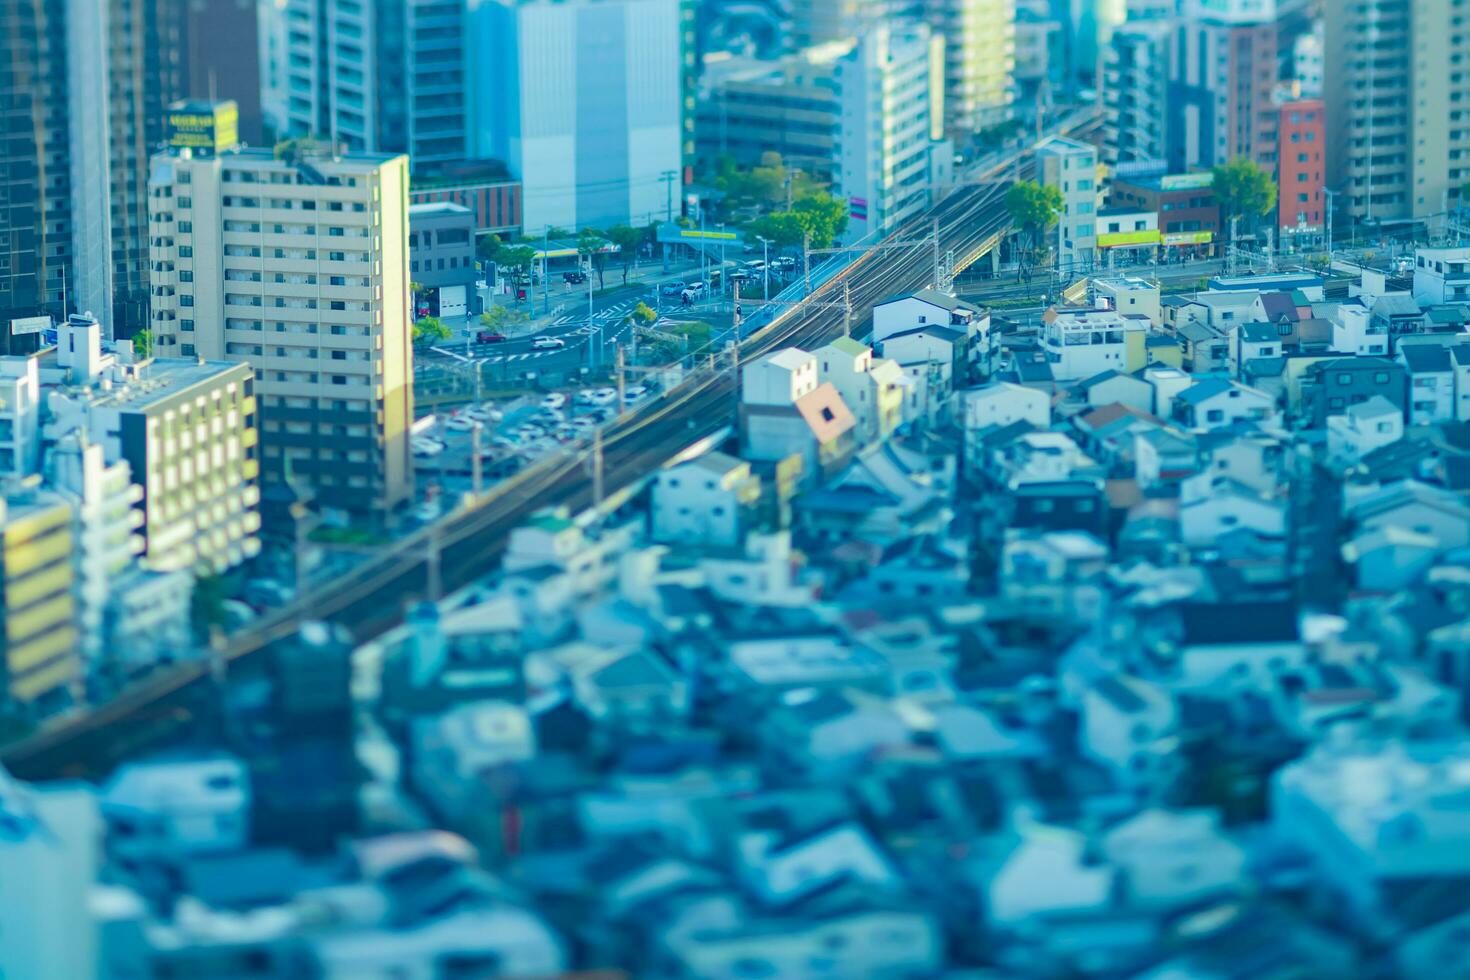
(383, 76)
(888, 88)
(979, 60)
(1225, 69)
(1301, 167)
(83, 90)
(1395, 87)
(297, 265)
(585, 102)
(1135, 93)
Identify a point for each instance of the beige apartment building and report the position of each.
(297, 264)
(1397, 91)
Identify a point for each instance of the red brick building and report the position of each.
(1301, 167)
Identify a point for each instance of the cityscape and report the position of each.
(735, 489)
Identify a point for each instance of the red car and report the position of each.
(487, 337)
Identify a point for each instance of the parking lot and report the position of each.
(512, 433)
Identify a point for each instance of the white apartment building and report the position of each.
(583, 100)
(20, 417)
(979, 60)
(888, 88)
(105, 528)
(297, 265)
(1071, 166)
(186, 430)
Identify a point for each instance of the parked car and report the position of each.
(576, 277)
(758, 266)
(547, 343)
(554, 400)
(693, 291)
(602, 396)
(634, 393)
(460, 423)
(490, 337)
(786, 262)
(672, 288)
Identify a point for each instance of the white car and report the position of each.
(634, 393)
(460, 423)
(759, 265)
(427, 447)
(602, 396)
(547, 343)
(694, 291)
(554, 400)
(427, 511)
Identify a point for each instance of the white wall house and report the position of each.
(1441, 275)
(1001, 403)
(925, 308)
(166, 808)
(704, 501)
(779, 378)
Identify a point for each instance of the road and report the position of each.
(467, 544)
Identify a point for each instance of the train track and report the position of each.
(467, 545)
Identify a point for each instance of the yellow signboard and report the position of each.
(204, 126)
(1149, 236)
(1189, 237)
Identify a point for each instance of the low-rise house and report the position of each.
(1174, 858)
(935, 359)
(166, 808)
(1364, 427)
(1376, 818)
(1250, 342)
(832, 730)
(1112, 387)
(1055, 574)
(1215, 403)
(924, 308)
(1130, 726)
(1002, 403)
(1355, 332)
(709, 500)
(1164, 456)
(818, 427)
(870, 387)
(1431, 382)
(1082, 343)
(779, 870)
(1330, 385)
(1206, 349)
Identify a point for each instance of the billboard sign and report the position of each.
(30, 324)
(208, 127)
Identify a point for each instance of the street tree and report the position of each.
(430, 330)
(499, 317)
(628, 240)
(824, 217)
(143, 344)
(1243, 189)
(1033, 209)
(590, 243)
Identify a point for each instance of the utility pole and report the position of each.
(597, 467)
(668, 177)
(594, 340)
(618, 373)
(475, 465)
(938, 272)
(806, 260)
(1329, 195)
(433, 586)
(545, 248)
(735, 318)
(846, 308)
